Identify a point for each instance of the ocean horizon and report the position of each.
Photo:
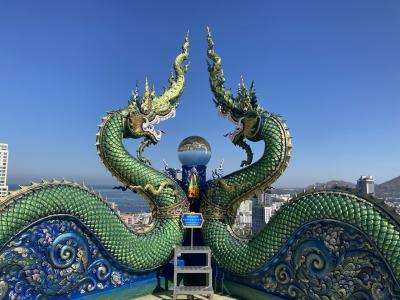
(127, 201)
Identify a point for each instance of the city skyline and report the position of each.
(3, 169)
(63, 67)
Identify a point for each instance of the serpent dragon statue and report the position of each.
(137, 252)
(247, 257)
(61, 239)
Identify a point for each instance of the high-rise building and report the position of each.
(245, 206)
(365, 185)
(261, 213)
(3, 169)
(244, 211)
(260, 217)
(265, 198)
(268, 212)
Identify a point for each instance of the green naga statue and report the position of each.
(135, 251)
(141, 252)
(256, 124)
(241, 256)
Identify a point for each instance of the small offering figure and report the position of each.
(193, 191)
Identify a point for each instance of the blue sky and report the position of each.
(330, 68)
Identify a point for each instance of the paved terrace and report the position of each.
(168, 295)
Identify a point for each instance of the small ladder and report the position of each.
(192, 290)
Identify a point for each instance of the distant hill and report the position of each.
(389, 188)
(328, 184)
(332, 183)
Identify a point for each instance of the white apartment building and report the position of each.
(268, 212)
(258, 210)
(3, 169)
(282, 197)
(245, 207)
(365, 185)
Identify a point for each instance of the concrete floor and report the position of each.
(168, 295)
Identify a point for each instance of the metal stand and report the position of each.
(191, 238)
(192, 290)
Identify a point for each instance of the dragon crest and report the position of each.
(143, 113)
(242, 110)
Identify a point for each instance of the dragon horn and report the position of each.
(146, 88)
(169, 99)
(253, 97)
(133, 101)
(147, 97)
(223, 96)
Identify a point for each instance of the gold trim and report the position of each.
(210, 210)
(172, 211)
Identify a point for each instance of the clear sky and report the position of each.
(330, 68)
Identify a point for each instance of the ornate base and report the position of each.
(325, 260)
(57, 259)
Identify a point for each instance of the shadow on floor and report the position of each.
(167, 295)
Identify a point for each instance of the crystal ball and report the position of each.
(194, 150)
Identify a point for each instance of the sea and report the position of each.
(127, 201)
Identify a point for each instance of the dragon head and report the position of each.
(143, 113)
(242, 110)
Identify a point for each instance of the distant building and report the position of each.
(265, 198)
(243, 216)
(136, 218)
(129, 219)
(282, 197)
(257, 218)
(264, 206)
(255, 213)
(268, 210)
(145, 218)
(3, 169)
(276, 206)
(365, 185)
(260, 213)
(245, 207)
(261, 199)
(260, 217)
(115, 207)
